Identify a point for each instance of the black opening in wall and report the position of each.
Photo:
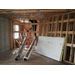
(34, 26)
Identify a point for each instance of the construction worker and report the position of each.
(29, 36)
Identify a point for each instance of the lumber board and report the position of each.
(56, 26)
(69, 62)
(61, 26)
(66, 38)
(52, 25)
(72, 50)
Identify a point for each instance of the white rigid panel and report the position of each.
(50, 47)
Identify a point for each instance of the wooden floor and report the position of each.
(8, 58)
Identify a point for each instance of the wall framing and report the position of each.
(50, 27)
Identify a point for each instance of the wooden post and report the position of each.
(42, 28)
(52, 25)
(71, 53)
(56, 26)
(66, 38)
(61, 26)
(48, 26)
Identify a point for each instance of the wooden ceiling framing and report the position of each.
(17, 14)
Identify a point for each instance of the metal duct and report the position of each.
(10, 12)
(40, 14)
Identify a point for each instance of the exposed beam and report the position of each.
(30, 11)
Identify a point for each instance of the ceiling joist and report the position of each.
(33, 11)
(17, 14)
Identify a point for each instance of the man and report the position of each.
(29, 36)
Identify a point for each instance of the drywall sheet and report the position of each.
(4, 35)
(51, 47)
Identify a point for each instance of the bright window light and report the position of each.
(16, 35)
(16, 27)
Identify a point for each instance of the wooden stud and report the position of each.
(71, 53)
(61, 26)
(56, 26)
(40, 28)
(52, 25)
(43, 29)
(47, 27)
(66, 38)
(57, 33)
(69, 62)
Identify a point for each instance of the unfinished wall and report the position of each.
(62, 25)
(4, 35)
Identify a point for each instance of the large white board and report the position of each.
(50, 47)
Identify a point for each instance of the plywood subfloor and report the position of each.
(8, 58)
